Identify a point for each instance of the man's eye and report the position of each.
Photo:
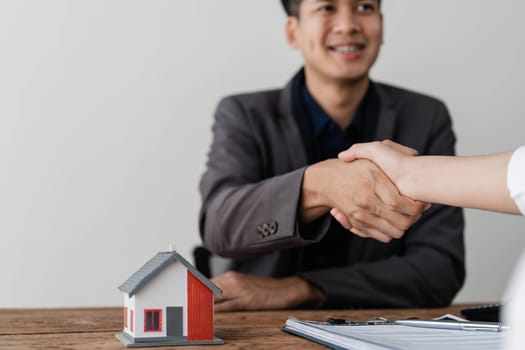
(366, 7)
(326, 8)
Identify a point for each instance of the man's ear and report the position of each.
(291, 31)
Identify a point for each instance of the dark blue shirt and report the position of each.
(328, 136)
(324, 139)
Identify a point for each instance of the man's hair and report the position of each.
(292, 6)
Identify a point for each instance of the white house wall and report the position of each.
(168, 288)
(130, 304)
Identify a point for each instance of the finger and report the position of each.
(391, 203)
(348, 155)
(364, 233)
(220, 299)
(230, 305)
(374, 226)
(396, 214)
(225, 283)
(225, 296)
(355, 152)
(340, 217)
(374, 234)
(400, 148)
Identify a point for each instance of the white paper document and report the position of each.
(393, 337)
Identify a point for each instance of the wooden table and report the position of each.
(95, 328)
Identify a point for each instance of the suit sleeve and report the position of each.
(244, 211)
(430, 269)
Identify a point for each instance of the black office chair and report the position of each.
(201, 259)
(209, 264)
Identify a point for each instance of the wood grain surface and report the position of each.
(95, 328)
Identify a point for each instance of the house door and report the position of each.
(174, 321)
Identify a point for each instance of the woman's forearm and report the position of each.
(472, 182)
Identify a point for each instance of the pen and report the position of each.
(465, 326)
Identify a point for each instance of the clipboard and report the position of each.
(391, 336)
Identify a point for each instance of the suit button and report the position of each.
(261, 231)
(267, 229)
(273, 227)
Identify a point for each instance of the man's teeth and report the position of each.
(351, 48)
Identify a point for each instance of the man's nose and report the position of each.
(347, 22)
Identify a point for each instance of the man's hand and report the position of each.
(249, 292)
(367, 202)
(389, 156)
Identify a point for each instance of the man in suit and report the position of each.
(273, 176)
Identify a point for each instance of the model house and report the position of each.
(168, 302)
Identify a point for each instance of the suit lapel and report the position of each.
(387, 115)
(294, 140)
(296, 149)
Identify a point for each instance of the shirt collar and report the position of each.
(321, 120)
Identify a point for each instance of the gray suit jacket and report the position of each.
(251, 191)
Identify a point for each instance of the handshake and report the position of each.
(396, 187)
(370, 190)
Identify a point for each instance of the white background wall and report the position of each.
(106, 109)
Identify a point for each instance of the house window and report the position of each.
(131, 320)
(152, 320)
(125, 317)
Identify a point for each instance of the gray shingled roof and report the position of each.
(155, 265)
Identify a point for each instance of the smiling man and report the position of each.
(273, 175)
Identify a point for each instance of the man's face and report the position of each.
(339, 39)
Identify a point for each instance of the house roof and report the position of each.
(154, 266)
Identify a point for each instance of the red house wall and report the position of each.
(200, 310)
